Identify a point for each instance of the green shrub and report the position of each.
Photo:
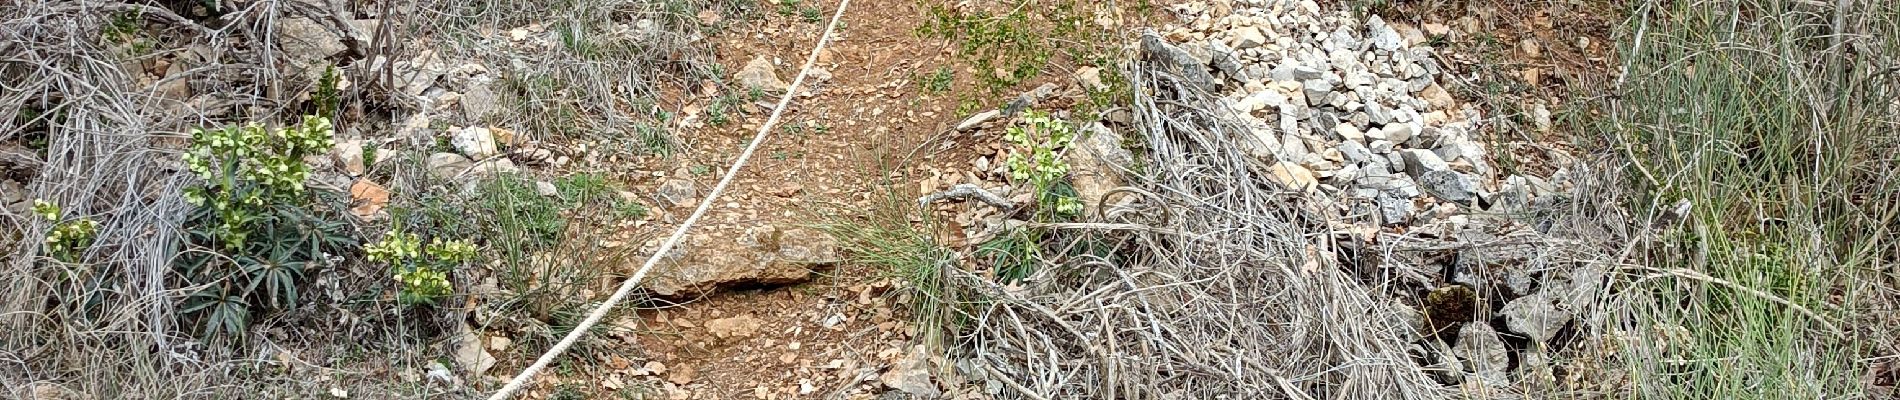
(420, 272)
(68, 239)
(1037, 163)
(255, 230)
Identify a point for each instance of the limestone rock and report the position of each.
(759, 73)
(764, 255)
(448, 165)
(1174, 60)
(1096, 164)
(740, 327)
(911, 375)
(1483, 352)
(679, 193)
(470, 354)
(1537, 316)
(977, 120)
(348, 154)
(475, 142)
(1449, 185)
(1292, 176)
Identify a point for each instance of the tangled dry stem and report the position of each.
(104, 326)
(1222, 298)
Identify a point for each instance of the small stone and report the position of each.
(499, 343)
(977, 120)
(1292, 176)
(1540, 117)
(448, 165)
(759, 73)
(1317, 91)
(1437, 97)
(1227, 60)
(1418, 162)
(1090, 78)
(1377, 113)
(367, 198)
(1483, 352)
(911, 374)
(307, 44)
(546, 189)
(1400, 132)
(1394, 210)
(739, 327)
(678, 193)
(1291, 72)
(349, 155)
(497, 166)
(1537, 316)
(1449, 185)
(1249, 37)
(655, 367)
(474, 142)
(1177, 61)
(1353, 151)
(1349, 133)
(684, 374)
(1380, 146)
(1382, 35)
(1260, 100)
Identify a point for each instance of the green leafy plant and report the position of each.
(421, 272)
(653, 140)
(813, 15)
(68, 239)
(256, 228)
(1036, 162)
(327, 97)
(938, 81)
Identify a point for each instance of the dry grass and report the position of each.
(1203, 288)
(97, 140)
(1774, 120)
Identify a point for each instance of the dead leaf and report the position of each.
(367, 198)
(505, 137)
(682, 375)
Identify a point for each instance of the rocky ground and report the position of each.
(1355, 113)
(1358, 117)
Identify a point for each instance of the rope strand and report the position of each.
(626, 287)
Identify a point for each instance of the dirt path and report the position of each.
(830, 337)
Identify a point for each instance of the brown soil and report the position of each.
(882, 122)
(874, 116)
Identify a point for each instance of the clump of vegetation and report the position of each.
(1780, 143)
(421, 272)
(69, 238)
(1015, 41)
(256, 228)
(1037, 164)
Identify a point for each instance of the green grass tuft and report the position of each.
(1783, 144)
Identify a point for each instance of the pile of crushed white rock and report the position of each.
(1349, 110)
(1355, 115)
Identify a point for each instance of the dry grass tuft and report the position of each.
(81, 127)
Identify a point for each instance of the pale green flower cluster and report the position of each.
(66, 238)
(1036, 161)
(422, 279)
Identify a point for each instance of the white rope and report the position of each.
(521, 380)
